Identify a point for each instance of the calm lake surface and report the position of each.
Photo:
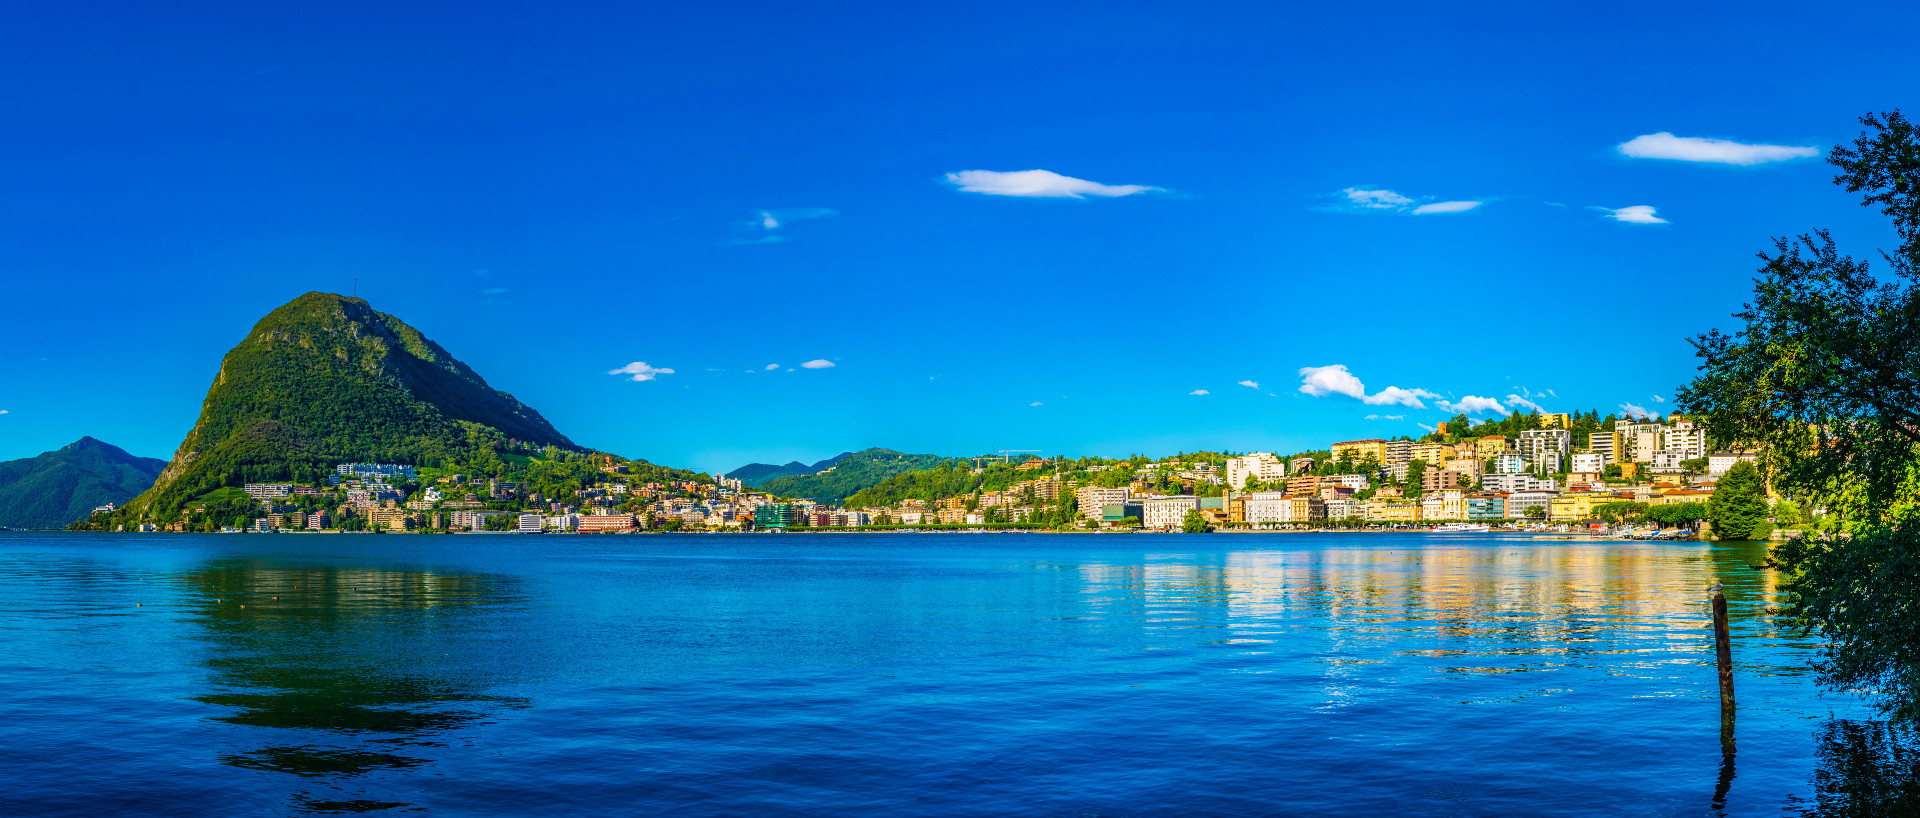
(854, 675)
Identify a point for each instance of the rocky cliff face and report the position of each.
(327, 379)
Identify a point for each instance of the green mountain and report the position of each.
(754, 474)
(841, 476)
(326, 379)
(61, 486)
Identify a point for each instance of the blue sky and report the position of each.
(729, 191)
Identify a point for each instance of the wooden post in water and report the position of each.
(1724, 651)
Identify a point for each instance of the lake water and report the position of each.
(908, 674)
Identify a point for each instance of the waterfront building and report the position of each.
(1519, 501)
(606, 522)
(1517, 481)
(1093, 500)
(1486, 506)
(531, 523)
(1167, 513)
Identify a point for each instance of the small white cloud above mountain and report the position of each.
(1199, 392)
(818, 363)
(1250, 384)
(1037, 184)
(1664, 145)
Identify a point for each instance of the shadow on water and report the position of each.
(351, 670)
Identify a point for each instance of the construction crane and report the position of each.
(1007, 454)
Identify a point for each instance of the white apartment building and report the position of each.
(1719, 462)
(530, 524)
(1509, 464)
(1261, 466)
(1357, 482)
(1518, 502)
(1603, 444)
(1167, 512)
(1687, 439)
(1398, 451)
(1269, 507)
(1093, 498)
(1546, 449)
(1345, 507)
(1667, 459)
(1589, 463)
(1517, 481)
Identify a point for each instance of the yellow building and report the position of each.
(1358, 450)
(1491, 446)
(1667, 498)
(1560, 420)
(1384, 511)
(1433, 453)
(1577, 506)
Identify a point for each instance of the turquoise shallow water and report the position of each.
(847, 675)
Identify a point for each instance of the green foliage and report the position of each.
(1694, 465)
(499, 522)
(64, 485)
(1685, 515)
(1787, 512)
(850, 473)
(1195, 522)
(1820, 378)
(1738, 506)
(1625, 511)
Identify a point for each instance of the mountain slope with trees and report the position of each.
(60, 486)
(848, 473)
(326, 379)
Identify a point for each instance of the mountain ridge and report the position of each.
(54, 488)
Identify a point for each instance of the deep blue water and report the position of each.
(952, 675)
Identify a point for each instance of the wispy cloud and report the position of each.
(772, 367)
(1386, 417)
(1516, 400)
(1424, 426)
(1037, 184)
(1635, 214)
(818, 363)
(1250, 384)
(1473, 403)
(1664, 145)
(1634, 410)
(1381, 199)
(1036, 403)
(760, 229)
(1199, 392)
(640, 371)
(1446, 207)
(1658, 399)
(1334, 379)
(3, 411)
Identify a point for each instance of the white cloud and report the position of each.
(1036, 403)
(1636, 214)
(1358, 198)
(818, 363)
(1320, 381)
(1424, 426)
(1446, 207)
(1473, 403)
(3, 411)
(1516, 400)
(640, 371)
(762, 226)
(1250, 384)
(1551, 394)
(772, 367)
(1199, 392)
(1658, 399)
(1377, 199)
(1037, 183)
(1664, 145)
(1633, 410)
(1386, 417)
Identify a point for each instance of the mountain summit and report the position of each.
(327, 379)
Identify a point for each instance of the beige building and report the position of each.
(1093, 498)
(1166, 513)
(1261, 466)
(1359, 450)
(1491, 446)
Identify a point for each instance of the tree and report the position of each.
(1694, 465)
(1195, 523)
(1821, 381)
(1738, 506)
(1536, 512)
(1787, 512)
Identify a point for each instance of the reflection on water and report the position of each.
(344, 656)
(1865, 768)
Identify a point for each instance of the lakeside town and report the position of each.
(1567, 472)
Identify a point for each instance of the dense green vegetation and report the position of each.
(1819, 377)
(58, 487)
(326, 379)
(1738, 507)
(849, 473)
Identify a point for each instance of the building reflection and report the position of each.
(349, 672)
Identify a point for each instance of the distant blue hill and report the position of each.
(61, 486)
(835, 477)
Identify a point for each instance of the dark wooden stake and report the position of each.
(1723, 648)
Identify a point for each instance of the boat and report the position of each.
(1462, 528)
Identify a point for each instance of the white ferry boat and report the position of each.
(1462, 528)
